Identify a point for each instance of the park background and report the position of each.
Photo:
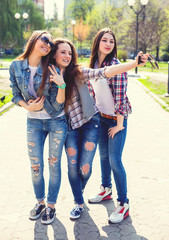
(138, 25)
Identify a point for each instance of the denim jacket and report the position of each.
(19, 77)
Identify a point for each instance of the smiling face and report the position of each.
(42, 48)
(63, 55)
(107, 44)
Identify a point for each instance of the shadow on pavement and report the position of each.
(41, 231)
(85, 228)
(119, 231)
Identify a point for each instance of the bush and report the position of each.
(122, 55)
(165, 57)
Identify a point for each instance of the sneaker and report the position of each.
(120, 213)
(76, 212)
(105, 194)
(36, 211)
(48, 216)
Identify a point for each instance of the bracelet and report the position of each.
(62, 86)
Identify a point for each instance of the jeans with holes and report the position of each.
(111, 157)
(80, 147)
(37, 131)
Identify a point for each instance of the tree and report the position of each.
(153, 23)
(105, 15)
(81, 31)
(80, 8)
(9, 32)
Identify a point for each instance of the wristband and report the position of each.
(62, 86)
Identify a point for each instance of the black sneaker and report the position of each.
(36, 211)
(48, 215)
(76, 212)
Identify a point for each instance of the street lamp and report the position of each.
(131, 4)
(73, 22)
(25, 17)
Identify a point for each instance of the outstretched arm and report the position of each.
(113, 70)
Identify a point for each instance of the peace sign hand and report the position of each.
(55, 77)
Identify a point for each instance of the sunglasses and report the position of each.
(152, 61)
(46, 41)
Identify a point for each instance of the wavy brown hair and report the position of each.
(44, 61)
(73, 71)
(95, 47)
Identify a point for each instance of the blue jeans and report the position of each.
(37, 131)
(80, 147)
(111, 157)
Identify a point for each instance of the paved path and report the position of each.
(146, 160)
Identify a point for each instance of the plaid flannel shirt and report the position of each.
(118, 86)
(75, 113)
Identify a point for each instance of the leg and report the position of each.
(104, 154)
(115, 156)
(89, 139)
(57, 129)
(36, 137)
(57, 134)
(72, 150)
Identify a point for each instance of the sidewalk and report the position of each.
(146, 161)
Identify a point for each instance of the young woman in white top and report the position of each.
(114, 107)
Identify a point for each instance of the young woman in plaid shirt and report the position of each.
(114, 107)
(83, 116)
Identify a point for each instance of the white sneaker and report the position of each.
(105, 194)
(120, 213)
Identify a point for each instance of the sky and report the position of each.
(49, 8)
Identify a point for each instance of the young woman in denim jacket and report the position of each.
(83, 116)
(44, 102)
(114, 108)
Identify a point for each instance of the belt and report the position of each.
(108, 116)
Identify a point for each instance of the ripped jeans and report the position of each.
(37, 131)
(80, 147)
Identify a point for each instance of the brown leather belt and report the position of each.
(108, 116)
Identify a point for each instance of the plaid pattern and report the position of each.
(118, 86)
(75, 109)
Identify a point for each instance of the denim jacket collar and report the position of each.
(25, 66)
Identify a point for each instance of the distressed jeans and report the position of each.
(80, 147)
(37, 131)
(111, 157)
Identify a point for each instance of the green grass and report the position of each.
(8, 97)
(157, 88)
(84, 61)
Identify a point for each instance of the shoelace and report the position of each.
(37, 206)
(77, 208)
(48, 210)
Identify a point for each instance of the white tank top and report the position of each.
(103, 95)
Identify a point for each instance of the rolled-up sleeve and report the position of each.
(92, 74)
(120, 97)
(16, 92)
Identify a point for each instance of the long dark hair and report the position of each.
(73, 71)
(45, 59)
(95, 47)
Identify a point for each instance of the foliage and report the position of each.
(153, 23)
(9, 28)
(11, 32)
(80, 8)
(81, 31)
(36, 20)
(105, 15)
(121, 54)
